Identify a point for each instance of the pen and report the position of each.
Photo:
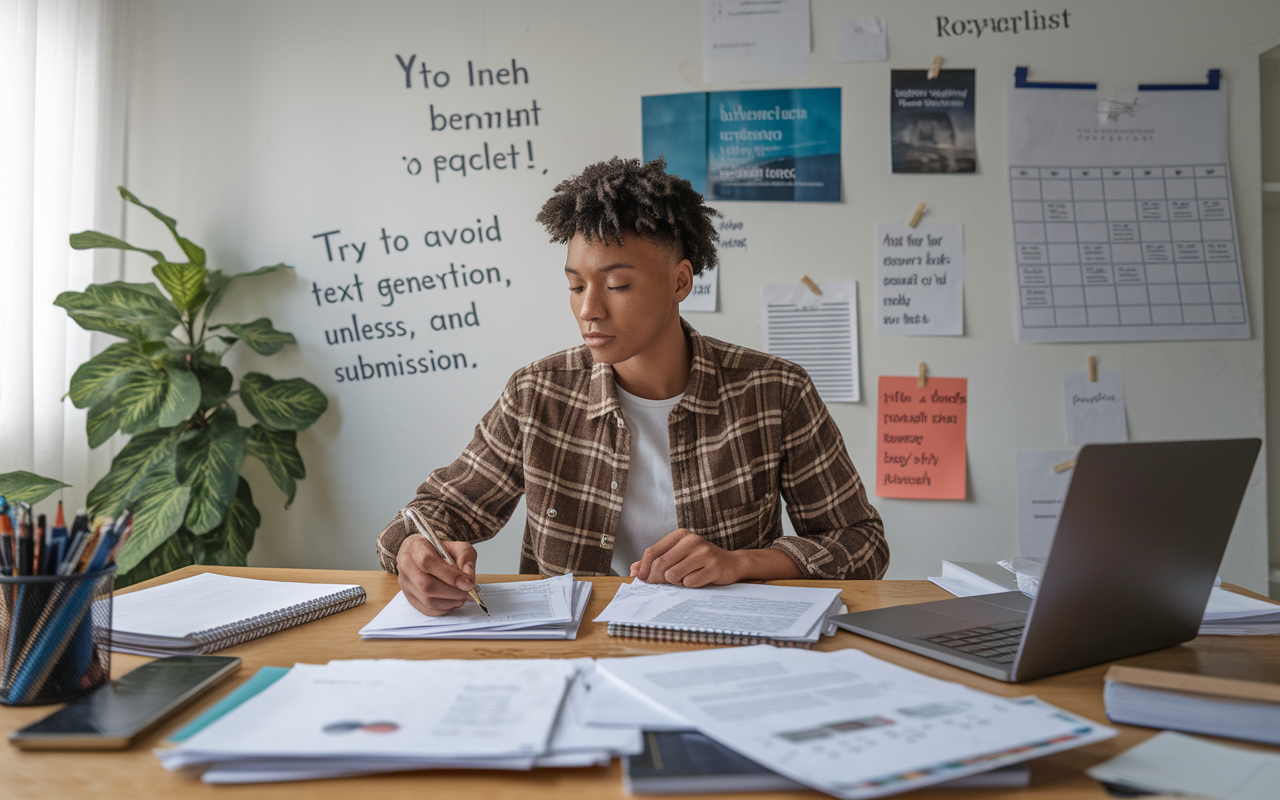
(22, 544)
(428, 534)
(38, 545)
(7, 560)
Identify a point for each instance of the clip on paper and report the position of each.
(813, 287)
(915, 218)
(1093, 369)
(1064, 466)
(937, 66)
(920, 377)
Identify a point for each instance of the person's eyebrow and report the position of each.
(609, 268)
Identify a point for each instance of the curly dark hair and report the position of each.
(622, 196)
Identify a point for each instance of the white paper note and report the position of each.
(919, 279)
(519, 602)
(705, 293)
(1095, 410)
(747, 40)
(861, 40)
(1041, 491)
(820, 333)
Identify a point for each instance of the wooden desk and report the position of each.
(136, 773)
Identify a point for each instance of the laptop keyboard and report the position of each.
(998, 643)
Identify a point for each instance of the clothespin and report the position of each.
(937, 65)
(920, 377)
(813, 287)
(1064, 466)
(1093, 369)
(915, 218)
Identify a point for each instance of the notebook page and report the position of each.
(207, 601)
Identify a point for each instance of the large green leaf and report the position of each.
(260, 335)
(184, 282)
(129, 310)
(102, 423)
(158, 508)
(96, 378)
(175, 553)
(182, 400)
(27, 487)
(193, 252)
(229, 544)
(291, 405)
(90, 240)
(215, 385)
(145, 453)
(278, 452)
(138, 399)
(209, 460)
(218, 281)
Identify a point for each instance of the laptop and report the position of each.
(1140, 536)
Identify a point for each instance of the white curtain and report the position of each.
(62, 114)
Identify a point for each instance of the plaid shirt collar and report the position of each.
(702, 395)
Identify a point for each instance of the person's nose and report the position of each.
(592, 307)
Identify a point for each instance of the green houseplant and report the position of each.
(166, 386)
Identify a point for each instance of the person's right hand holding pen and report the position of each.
(429, 582)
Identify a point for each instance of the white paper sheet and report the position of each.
(863, 39)
(1123, 223)
(1095, 409)
(746, 40)
(846, 723)
(433, 710)
(1041, 491)
(705, 293)
(515, 630)
(818, 333)
(511, 605)
(783, 612)
(919, 279)
(1175, 763)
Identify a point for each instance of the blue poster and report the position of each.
(772, 144)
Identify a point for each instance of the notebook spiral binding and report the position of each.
(722, 638)
(265, 624)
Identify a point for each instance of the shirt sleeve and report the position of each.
(840, 535)
(472, 498)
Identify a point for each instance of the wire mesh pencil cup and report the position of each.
(55, 636)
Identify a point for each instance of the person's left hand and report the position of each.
(684, 558)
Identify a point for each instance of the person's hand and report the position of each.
(684, 558)
(429, 584)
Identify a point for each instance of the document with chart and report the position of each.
(1123, 223)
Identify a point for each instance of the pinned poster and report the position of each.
(819, 332)
(1095, 409)
(861, 40)
(920, 438)
(1043, 478)
(919, 279)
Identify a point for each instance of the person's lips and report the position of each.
(596, 339)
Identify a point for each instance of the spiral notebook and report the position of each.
(209, 612)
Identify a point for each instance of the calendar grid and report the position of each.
(1109, 252)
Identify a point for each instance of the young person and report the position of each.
(650, 450)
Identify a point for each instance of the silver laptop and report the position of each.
(1139, 540)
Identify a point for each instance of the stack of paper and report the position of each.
(1170, 763)
(546, 609)
(725, 614)
(1189, 701)
(363, 717)
(844, 722)
(1227, 613)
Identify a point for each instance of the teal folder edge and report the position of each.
(264, 678)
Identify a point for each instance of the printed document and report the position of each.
(818, 332)
(512, 606)
(747, 40)
(846, 723)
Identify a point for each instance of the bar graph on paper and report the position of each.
(818, 332)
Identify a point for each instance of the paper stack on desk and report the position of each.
(371, 716)
(545, 609)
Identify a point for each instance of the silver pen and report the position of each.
(414, 517)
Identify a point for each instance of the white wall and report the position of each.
(259, 125)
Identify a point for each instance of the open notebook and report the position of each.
(208, 612)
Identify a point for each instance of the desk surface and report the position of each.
(136, 772)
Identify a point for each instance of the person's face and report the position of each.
(625, 296)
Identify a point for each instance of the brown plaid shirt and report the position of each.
(749, 432)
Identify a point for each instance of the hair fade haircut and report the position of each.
(620, 197)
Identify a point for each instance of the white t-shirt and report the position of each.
(649, 503)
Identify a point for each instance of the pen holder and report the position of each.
(55, 636)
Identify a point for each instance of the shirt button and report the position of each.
(551, 512)
(606, 540)
(614, 486)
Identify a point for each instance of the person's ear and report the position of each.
(682, 275)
